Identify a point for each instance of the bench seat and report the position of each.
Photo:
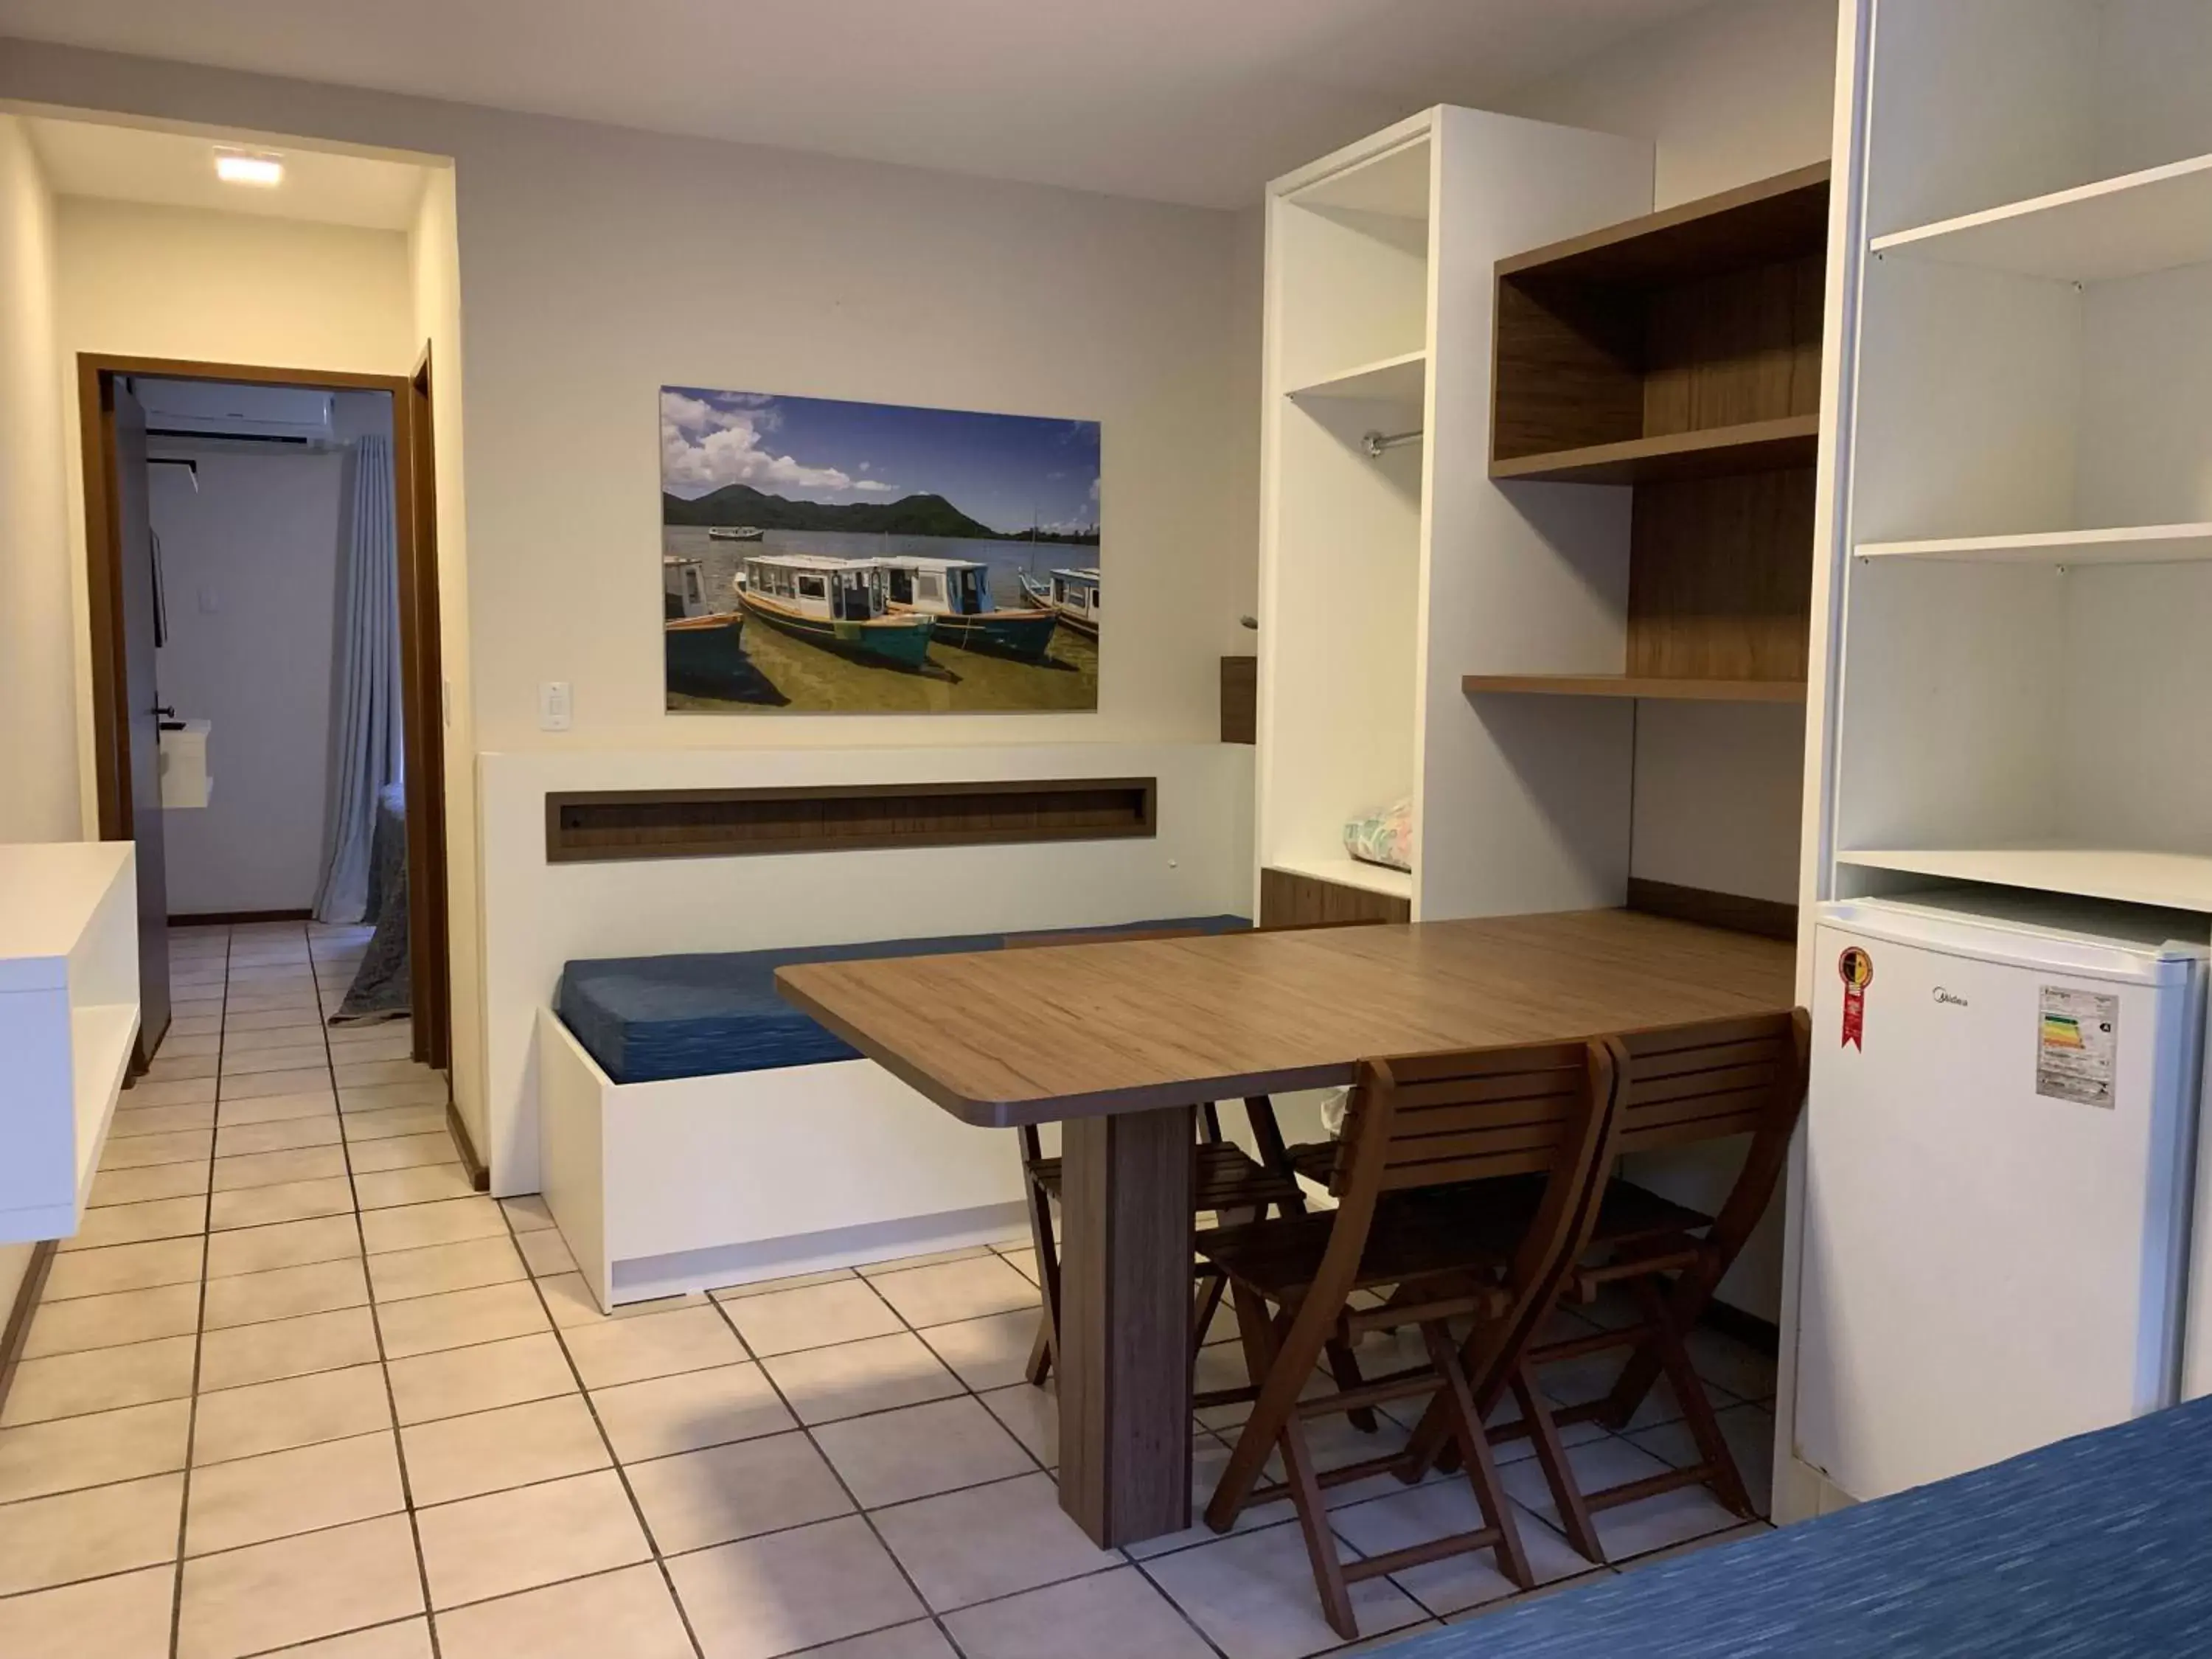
(695, 1130)
(647, 1019)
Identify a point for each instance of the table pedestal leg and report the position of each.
(1125, 1292)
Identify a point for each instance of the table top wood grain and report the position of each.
(1006, 1037)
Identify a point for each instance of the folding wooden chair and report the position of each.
(1413, 1126)
(1226, 1183)
(1225, 1180)
(1672, 1087)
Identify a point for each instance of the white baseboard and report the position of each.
(645, 1276)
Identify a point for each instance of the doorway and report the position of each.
(135, 605)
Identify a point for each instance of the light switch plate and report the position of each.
(553, 706)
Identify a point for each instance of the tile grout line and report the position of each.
(375, 1323)
(199, 1339)
(614, 1461)
(1122, 1556)
(1496, 1603)
(1124, 1560)
(930, 1612)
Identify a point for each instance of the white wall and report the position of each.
(596, 264)
(1737, 92)
(38, 736)
(434, 270)
(252, 562)
(154, 282)
(1734, 93)
(249, 563)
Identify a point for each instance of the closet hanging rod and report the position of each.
(1375, 443)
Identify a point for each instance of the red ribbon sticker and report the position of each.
(1856, 969)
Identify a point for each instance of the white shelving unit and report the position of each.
(1384, 577)
(69, 1017)
(2156, 543)
(1399, 381)
(2145, 221)
(2012, 683)
(2172, 881)
(2023, 665)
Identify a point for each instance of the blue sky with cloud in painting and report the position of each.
(1005, 470)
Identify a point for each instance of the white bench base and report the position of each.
(660, 1189)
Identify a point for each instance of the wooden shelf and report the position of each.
(2157, 544)
(1634, 685)
(1403, 379)
(1351, 872)
(2178, 881)
(1754, 446)
(2130, 225)
(1785, 218)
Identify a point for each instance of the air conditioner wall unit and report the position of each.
(214, 410)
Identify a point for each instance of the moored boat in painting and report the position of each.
(836, 603)
(734, 532)
(1071, 595)
(956, 593)
(700, 639)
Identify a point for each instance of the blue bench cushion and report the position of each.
(646, 1019)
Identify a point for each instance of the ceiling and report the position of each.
(176, 169)
(1199, 101)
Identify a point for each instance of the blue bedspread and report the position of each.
(648, 1018)
(2098, 1547)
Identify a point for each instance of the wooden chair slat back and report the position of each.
(1684, 1083)
(1705, 1081)
(1462, 1116)
(1544, 1109)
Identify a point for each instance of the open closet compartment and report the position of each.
(1347, 370)
(1389, 560)
(2027, 589)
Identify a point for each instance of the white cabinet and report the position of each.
(2025, 566)
(2014, 592)
(1391, 564)
(69, 1017)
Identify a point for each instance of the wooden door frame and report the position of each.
(421, 676)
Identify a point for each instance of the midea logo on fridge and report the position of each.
(1951, 998)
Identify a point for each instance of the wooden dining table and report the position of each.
(1119, 1042)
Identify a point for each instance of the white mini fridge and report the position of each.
(2000, 1161)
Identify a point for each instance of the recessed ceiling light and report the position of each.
(233, 167)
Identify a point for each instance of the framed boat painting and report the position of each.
(821, 557)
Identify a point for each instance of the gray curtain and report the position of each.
(365, 756)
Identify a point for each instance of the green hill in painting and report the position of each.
(910, 515)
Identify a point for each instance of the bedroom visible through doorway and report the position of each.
(265, 645)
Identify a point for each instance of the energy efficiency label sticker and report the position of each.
(2077, 1041)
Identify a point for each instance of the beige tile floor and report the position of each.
(297, 1389)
